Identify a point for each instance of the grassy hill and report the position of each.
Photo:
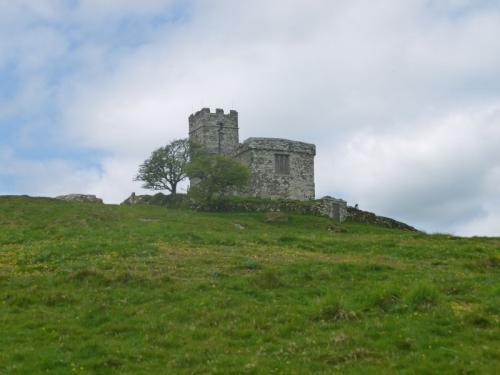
(88, 288)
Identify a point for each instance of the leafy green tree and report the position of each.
(213, 177)
(166, 167)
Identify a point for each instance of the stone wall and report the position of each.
(217, 132)
(259, 154)
(335, 209)
(159, 199)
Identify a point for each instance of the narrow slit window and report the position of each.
(282, 164)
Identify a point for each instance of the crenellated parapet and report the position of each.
(216, 131)
(205, 117)
(279, 145)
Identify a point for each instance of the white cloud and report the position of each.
(439, 174)
(100, 8)
(486, 225)
(46, 178)
(112, 181)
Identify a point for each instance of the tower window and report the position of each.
(282, 164)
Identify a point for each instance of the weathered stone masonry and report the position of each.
(217, 132)
(280, 168)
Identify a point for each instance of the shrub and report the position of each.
(215, 177)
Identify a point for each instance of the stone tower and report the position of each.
(216, 132)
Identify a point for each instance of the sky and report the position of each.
(401, 98)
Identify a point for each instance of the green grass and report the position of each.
(101, 289)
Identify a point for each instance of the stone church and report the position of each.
(279, 168)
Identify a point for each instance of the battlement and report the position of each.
(205, 114)
(278, 144)
(216, 131)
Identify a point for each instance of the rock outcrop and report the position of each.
(158, 199)
(359, 216)
(87, 198)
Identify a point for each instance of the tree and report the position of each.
(166, 167)
(214, 176)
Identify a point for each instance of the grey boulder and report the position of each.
(80, 198)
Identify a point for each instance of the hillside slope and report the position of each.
(87, 288)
